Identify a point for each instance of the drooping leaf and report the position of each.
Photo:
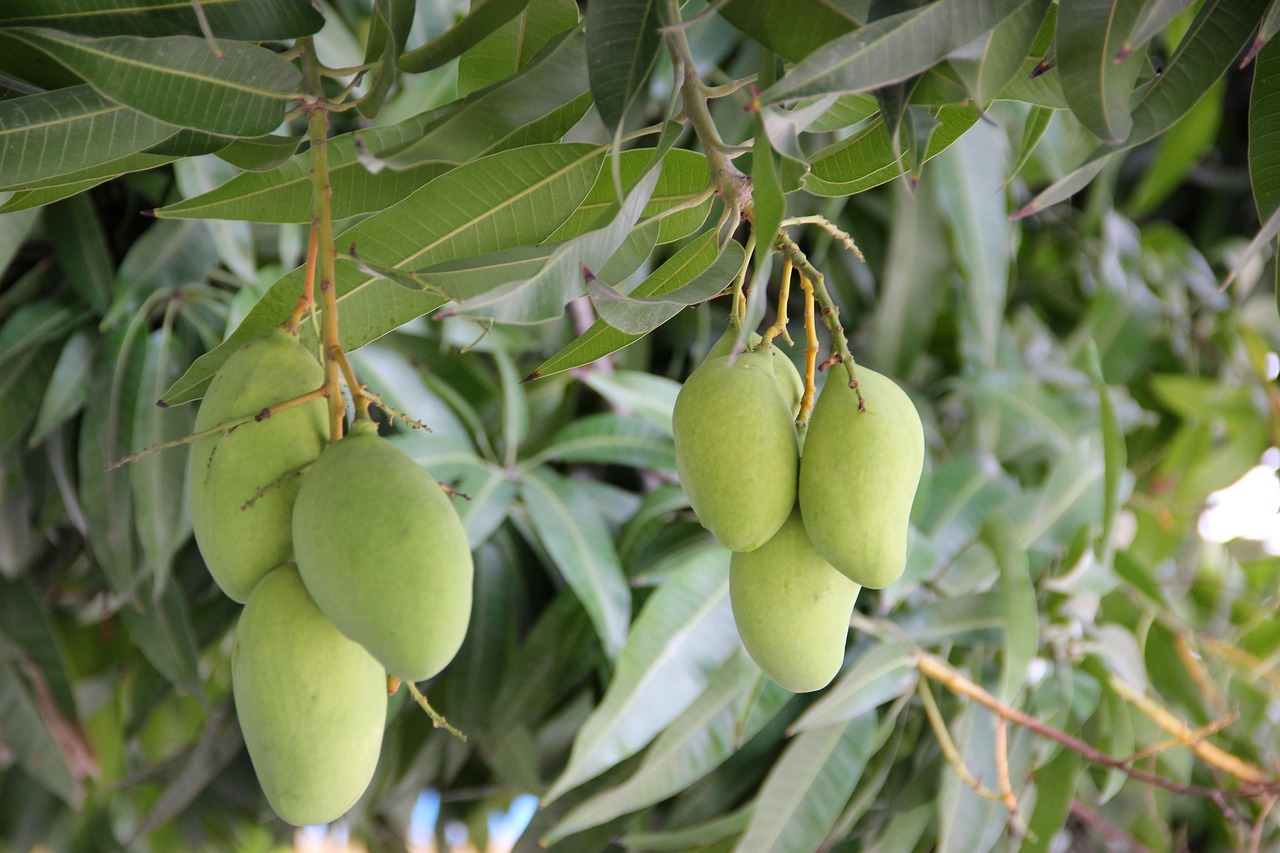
(989, 62)
(611, 439)
(622, 46)
(13, 233)
(510, 47)
(179, 79)
(573, 532)
(790, 28)
(700, 739)
(26, 623)
(890, 49)
(1154, 17)
(803, 794)
(513, 198)
(482, 20)
(389, 26)
(27, 734)
(509, 113)
(878, 674)
(1022, 619)
(1264, 147)
(36, 323)
(249, 20)
(1178, 151)
(649, 396)
(638, 316)
(1215, 37)
(1090, 35)
(681, 637)
(67, 130)
(867, 159)
(1056, 783)
(601, 339)
(68, 386)
(166, 257)
(161, 628)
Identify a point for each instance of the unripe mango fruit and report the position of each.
(783, 367)
(859, 474)
(792, 608)
(383, 553)
(311, 703)
(242, 484)
(736, 450)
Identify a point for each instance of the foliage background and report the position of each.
(1084, 381)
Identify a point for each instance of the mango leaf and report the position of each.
(259, 153)
(158, 481)
(13, 233)
(1264, 151)
(640, 315)
(31, 199)
(698, 837)
(247, 20)
(22, 386)
(610, 439)
(505, 115)
(26, 623)
(512, 198)
(699, 740)
(601, 338)
(651, 397)
(482, 20)
(876, 674)
(68, 386)
(968, 823)
(1216, 36)
(389, 26)
(161, 629)
(622, 47)
(1056, 783)
(806, 789)
(543, 295)
(81, 248)
(570, 527)
(105, 495)
(1022, 619)
(510, 47)
(790, 28)
(769, 206)
(1090, 35)
(867, 158)
(1032, 132)
(682, 636)
(891, 48)
(179, 79)
(1151, 21)
(989, 62)
(168, 256)
(36, 323)
(1115, 456)
(29, 737)
(67, 130)
(94, 175)
(1178, 152)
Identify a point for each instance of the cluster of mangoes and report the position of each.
(351, 562)
(811, 516)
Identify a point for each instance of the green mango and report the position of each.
(736, 450)
(311, 703)
(784, 368)
(384, 554)
(859, 474)
(792, 608)
(242, 484)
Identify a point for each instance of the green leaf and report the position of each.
(491, 493)
(1264, 131)
(507, 114)
(682, 636)
(973, 204)
(1032, 132)
(1022, 618)
(68, 386)
(570, 527)
(968, 823)
(81, 249)
(13, 233)
(543, 295)
(29, 737)
(249, 20)
(769, 205)
(36, 323)
(649, 396)
(1115, 456)
(389, 26)
(790, 28)
(622, 47)
(26, 623)
(161, 629)
(30, 199)
(803, 794)
(1091, 33)
(158, 481)
(509, 48)
(698, 741)
(601, 339)
(179, 79)
(482, 20)
(105, 495)
(640, 315)
(1156, 15)
(1215, 38)
(689, 839)
(877, 674)
(1178, 152)
(67, 130)
(513, 198)
(891, 49)
(867, 158)
(22, 385)
(1056, 783)
(610, 439)
(168, 256)
(988, 63)
(260, 153)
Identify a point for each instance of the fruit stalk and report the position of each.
(810, 356)
(321, 220)
(779, 326)
(830, 314)
(308, 297)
